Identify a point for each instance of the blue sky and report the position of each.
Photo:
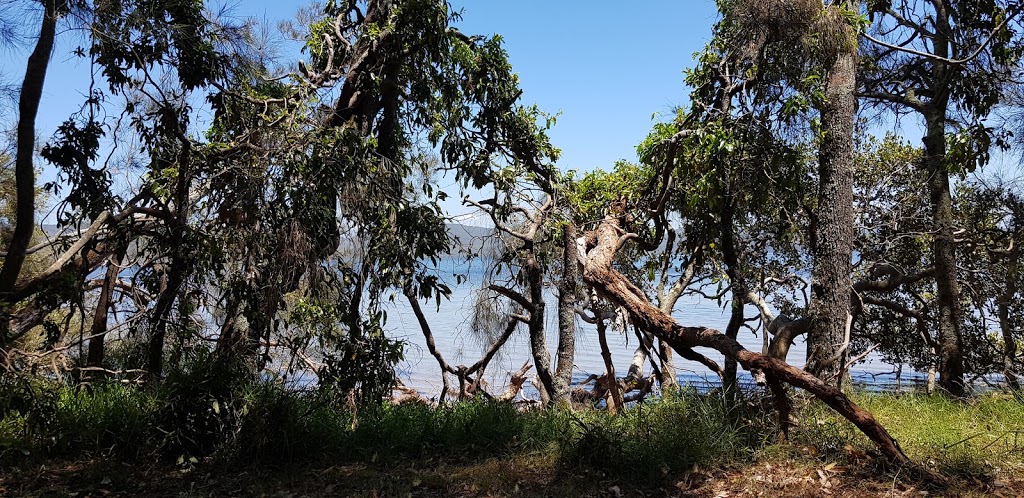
(605, 67)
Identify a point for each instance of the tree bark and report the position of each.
(832, 251)
(668, 367)
(732, 331)
(170, 284)
(614, 398)
(538, 342)
(951, 370)
(24, 172)
(99, 318)
(567, 298)
(1009, 342)
(599, 273)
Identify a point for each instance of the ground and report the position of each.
(521, 476)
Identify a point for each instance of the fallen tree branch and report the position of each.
(600, 274)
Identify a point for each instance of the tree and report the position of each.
(829, 335)
(946, 61)
(24, 168)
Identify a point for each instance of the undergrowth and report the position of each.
(196, 416)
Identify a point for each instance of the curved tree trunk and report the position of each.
(99, 319)
(833, 237)
(598, 272)
(24, 172)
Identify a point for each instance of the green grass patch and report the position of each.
(957, 437)
(262, 423)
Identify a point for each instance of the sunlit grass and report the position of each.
(966, 437)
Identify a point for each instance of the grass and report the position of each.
(262, 422)
(963, 438)
(480, 445)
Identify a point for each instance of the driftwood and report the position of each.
(402, 395)
(604, 242)
(515, 384)
(629, 391)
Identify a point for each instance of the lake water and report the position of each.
(450, 324)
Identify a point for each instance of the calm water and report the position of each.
(455, 340)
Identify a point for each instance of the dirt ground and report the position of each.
(773, 477)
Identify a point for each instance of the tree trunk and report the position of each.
(614, 397)
(1009, 342)
(730, 256)
(99, 319)
(538, 343)
(668, 367)
(568, 295)
(169, 287)
(24, 172)
(951, 370)
(598, 272)
(830, 277)
(732, 331)
(640, 355)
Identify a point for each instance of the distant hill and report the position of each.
(50, 230)
(476, 239)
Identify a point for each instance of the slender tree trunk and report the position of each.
(161, 314)
(730, 256)
(24, 172)
(229, 331)
(99, 319)
(667, 299)
(951, 370)
(1009, 342)
(830, 277)
(668, 366)
(538, 343)
(567, 298)
(175, 271)
(614, 398)
(732, 331)
(640, 355)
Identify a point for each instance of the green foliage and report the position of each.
(138, 33)
(591, 195)
(74, 149)
(968, 148)
(363, 362)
